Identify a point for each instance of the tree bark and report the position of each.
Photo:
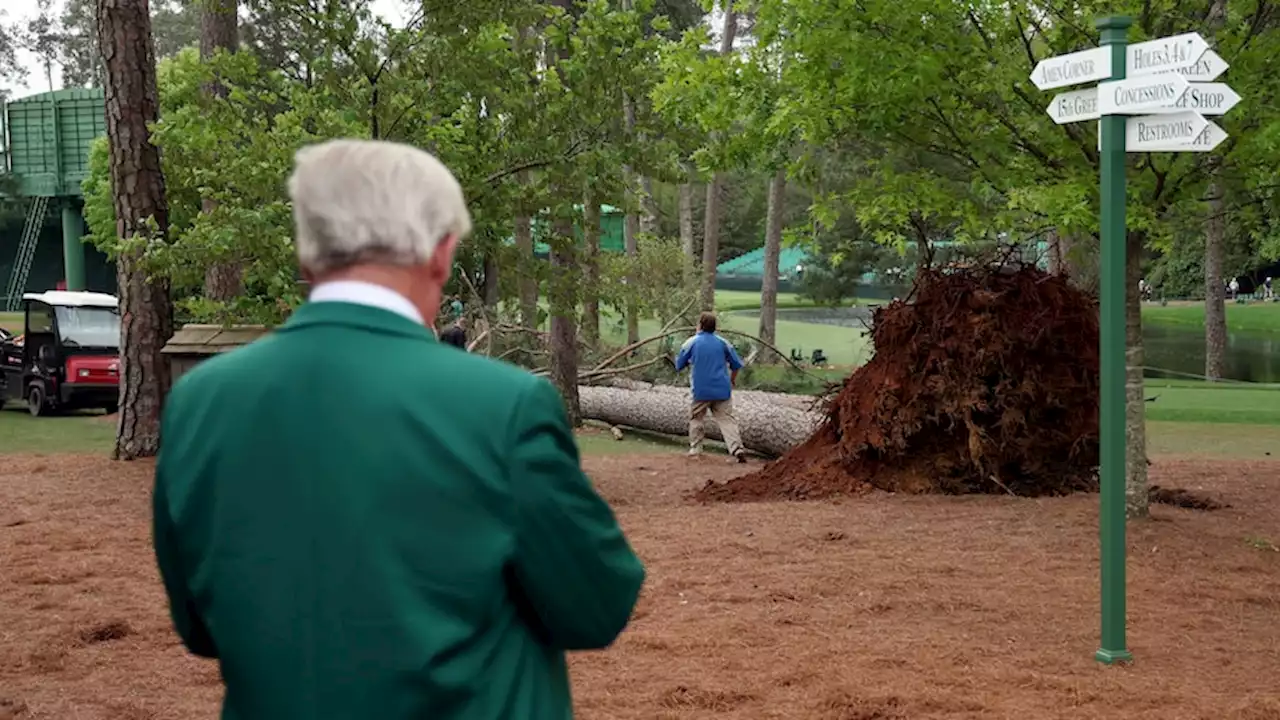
(715, 190)
(767, 428)
(528, 278)
(648, 207)
(711, 242)
(591, 268)
(631, 222)
(1136, 493)
(687, 243)
(219, 30)
(1215, 231)
(491, 291)
(1215, 307)
(1056, 261)
(564, 333)
(772, 254)
(138, 194)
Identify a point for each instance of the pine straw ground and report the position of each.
(885, 607)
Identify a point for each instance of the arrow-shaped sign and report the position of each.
(1208, 98)
(1163, 133)
(1075, 68)
(1140, 94)
(1208, 140)
(1074, 106)
(1208, 68)
(1169, 53)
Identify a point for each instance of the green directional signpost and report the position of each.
(1151, 97)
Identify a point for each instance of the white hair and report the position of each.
(372, 201)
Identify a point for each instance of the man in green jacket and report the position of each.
(361, 523)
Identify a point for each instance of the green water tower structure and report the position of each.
(45, 148)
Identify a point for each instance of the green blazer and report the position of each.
(359, 522)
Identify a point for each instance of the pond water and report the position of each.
(1178, 351)
(1171, 351)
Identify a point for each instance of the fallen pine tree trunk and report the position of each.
(768, 428)
(797, 402)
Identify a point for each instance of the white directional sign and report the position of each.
(1140, 94)
(1170, 53)
(1208, 98)
(1075, 68)
(1208, 68)
(1163, 133)
(1074, 106)
(1208, 140)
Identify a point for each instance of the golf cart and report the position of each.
(68, 356)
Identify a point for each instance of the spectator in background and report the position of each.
(455, 334)
(715, 372)
(1267, 291)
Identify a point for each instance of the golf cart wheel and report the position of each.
(36, 400)
(112, 409)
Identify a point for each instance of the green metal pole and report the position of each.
(72, 245)
(1115, 31)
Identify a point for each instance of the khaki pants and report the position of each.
(722, 411)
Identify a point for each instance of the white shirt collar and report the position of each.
(368, 294)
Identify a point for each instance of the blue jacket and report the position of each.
(712, 358)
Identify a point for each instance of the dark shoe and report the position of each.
(741, 456)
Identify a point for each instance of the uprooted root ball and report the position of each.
(985, 382)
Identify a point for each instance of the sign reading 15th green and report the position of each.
(1168, 86)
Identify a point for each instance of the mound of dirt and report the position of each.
(986, 381)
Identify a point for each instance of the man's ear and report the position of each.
(442, 258)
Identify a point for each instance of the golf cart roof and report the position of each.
(69, 298)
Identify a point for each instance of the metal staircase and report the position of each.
(26, 252)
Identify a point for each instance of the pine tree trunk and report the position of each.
(648, 207)
(768, 428)
(711, 242)
(715, 191)
(1056, 262)
(564, 285)
(772, 254)
(220, 30)
(1215, 297)
(491, 290)
(1135, 410)
(591, 269)
(1215, 232)
(528, 279)
(138, 192)
(687, 242)
(564, 333)
(631, 222)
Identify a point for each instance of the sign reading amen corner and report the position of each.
(1075, 68)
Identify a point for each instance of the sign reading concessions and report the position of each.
(1169, 53)
(1140, 95)
(1156, 133)
(1074, 106)
(1075, 68)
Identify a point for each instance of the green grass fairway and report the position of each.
(1225, 440)
(11, 321)
(1255, 317)
(1202, 402)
